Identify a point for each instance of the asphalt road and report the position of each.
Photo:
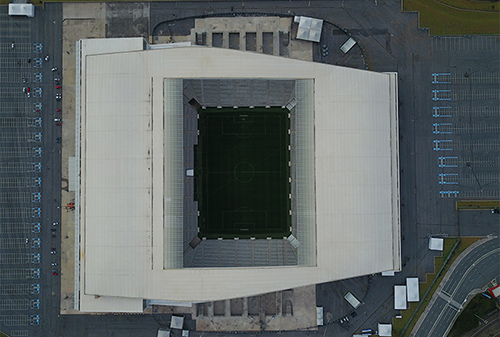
(475, 270)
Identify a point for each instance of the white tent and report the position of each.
(22, 10)
(412, 289)
(384, 330)
(436, 244)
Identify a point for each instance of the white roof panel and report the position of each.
(316, 24)
(305, 22)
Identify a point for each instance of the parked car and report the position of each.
(58, 87)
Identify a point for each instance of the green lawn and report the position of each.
(479, 306)
(243, 173)
(445, 20)
(477, 5)
(400, 323)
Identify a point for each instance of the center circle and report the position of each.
(244, 172)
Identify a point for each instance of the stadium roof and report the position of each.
(122, 198)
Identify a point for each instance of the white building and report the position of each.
(132, 245)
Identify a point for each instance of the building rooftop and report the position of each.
(131, 161)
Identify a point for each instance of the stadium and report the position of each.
(209, 174)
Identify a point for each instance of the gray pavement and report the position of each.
(480, 266)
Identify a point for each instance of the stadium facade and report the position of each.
(137, 129)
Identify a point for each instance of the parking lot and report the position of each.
(466, 126)
(26, 266)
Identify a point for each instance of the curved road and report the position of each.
(477, 268)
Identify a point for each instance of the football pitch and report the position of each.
(242, 173)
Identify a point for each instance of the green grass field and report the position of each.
(242, 173)
(479, 306)
(465, 17)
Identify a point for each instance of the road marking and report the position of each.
(471, 267)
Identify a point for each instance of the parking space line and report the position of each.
(19, 273)
(19, 333)
(15, 304)
(18, 152)
(17, 320)
(479, 145)
(22, 228)
(16, 289)
(441, 111)
(16, 213)
(448, 178)
(447, 161)
(480, 193)
(15, 258)
(479, 161)
(449, 194)
(442, 145)
(442, 128)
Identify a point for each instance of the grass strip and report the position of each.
(485, 6)
(479, 306)
(442, 19)
(477, 204)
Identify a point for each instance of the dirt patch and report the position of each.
(127, 20)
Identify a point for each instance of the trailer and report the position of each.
(352, 300)
(400, 298)
(412, 290)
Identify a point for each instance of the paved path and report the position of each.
(479, 266)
